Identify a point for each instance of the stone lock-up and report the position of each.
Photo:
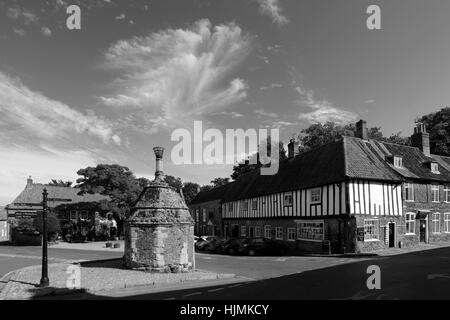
(159, 235)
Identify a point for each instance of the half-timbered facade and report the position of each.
(346, 196)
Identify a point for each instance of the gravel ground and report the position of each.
(95, 277)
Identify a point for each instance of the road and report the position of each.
(416, 275)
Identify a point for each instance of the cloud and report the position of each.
(20, 32)
(371, 101)
(273, 9)
(232, 114)
(179, 74)
(323, 110)
(121, 16)
(23, 15)
(46, 32)
(43, 118)
(261, 112)
(17, 163)
(271, 86)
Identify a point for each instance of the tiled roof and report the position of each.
(210, 195)
(338, 161)
(32, 195)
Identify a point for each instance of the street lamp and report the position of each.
(44, 279)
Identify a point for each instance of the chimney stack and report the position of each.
(361, 130)
(29, 182)
(421, 139)
(293, 149)
(159, 152)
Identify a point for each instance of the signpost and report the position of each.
(44, 279)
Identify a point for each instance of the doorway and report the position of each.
(235, 231)
(423, 230)
(391, 235)
(251, 232)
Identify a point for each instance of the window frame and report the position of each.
(291, 196)
(254, 204)
(434, 167)
(447, 222)
(312, 195)
(447, 193)
(268, 228)
(257, 232)
(376, 228)
(398, 162)
(291, 234)
(243, 231)
(409, 221)
(244, 206)
(299, 237)
(436, 222)
(410, 186)
(434, 188)
(278, 231)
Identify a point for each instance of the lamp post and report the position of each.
(44, 279)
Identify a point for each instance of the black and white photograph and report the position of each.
(223, 155)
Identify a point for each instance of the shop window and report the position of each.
(310, 230)
(371, 230)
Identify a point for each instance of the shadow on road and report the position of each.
(416, 275)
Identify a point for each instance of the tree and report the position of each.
(438, 125)
(175, 183)
(52, 223)
(60, 183)
(115, 181)
(190, 190)
(217, 182)
(245, 166)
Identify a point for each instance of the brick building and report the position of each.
(206, 210)
(352, 195)
(4, 228)
(64, 201)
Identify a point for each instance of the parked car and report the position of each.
(198, 241)
(232, 246)
(211, 243)
(263, 246)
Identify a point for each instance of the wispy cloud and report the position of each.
(261, 112)
(179, 74)
(22, 15)
(46, 32)
(322, 110)
(272, 8)
(44, 118)
(271, 86)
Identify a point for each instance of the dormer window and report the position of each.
(434, 167)
(398, 162)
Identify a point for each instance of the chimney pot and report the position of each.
(293, 148)
(159, 153)
(421, 139)
(29, 182)
(361, 130)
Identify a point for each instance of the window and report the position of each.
(435, 192)
(257, 232)
(291, 234)
(371, 230)
(310, 230)
(279, 233)
(254, 204)
(230, 208)
(435, 168)
(245, 206)
(267, 231)
(410, 223)
(204, 215)
(436, 223)
(447, 193)
(447, 222)
(287, 200)
(73, 215)
(409, 192)
(84, 215)
(243, 231)
(398, 162)
(316, 195)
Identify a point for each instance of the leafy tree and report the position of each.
(173, 182)
(438, 125)
(190, 190)
(52, 223)
(245, 166)
(217, 182)
(115, 181)
(60, 183)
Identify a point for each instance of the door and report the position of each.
(391, 235)
(251, 232)
(235, 231)
(423, 230)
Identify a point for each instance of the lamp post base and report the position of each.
(44, 283)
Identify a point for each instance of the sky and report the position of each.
(138, 70)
